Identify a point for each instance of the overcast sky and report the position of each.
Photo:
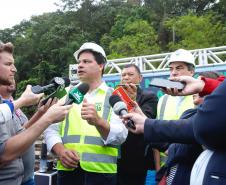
(12, 12)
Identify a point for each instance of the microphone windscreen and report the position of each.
(114, 99)
(83, 88)
(37, 89)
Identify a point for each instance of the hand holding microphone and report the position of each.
(120, 108)
(138, 119)
(56, 88)
(27, 98)
(56, 112)
(76, 95)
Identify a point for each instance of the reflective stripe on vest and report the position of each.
(99, 158)
(96, 141)
(92, 140)
(171, 108)
(163, 106)
(95, 156)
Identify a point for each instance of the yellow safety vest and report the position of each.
(77, 134)
(171, 108)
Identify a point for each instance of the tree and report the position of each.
(220, 9)
(139, 39)
(196, 32)
(126, 14)
(179, 7)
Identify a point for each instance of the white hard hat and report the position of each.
(90, 46)
(182, 55)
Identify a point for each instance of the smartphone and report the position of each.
(165, 83)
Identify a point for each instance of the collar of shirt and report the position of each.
(102, 87)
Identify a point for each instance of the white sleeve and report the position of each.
(52, 136)
(118, 131)
(5, 113)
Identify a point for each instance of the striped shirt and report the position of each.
(171, 175)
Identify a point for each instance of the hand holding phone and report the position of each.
(165, 83)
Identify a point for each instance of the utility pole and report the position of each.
(173, 34)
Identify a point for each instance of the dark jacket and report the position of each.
(183, 155)
(207, 127)
(172, 131)
(210, 131)
(133, 149)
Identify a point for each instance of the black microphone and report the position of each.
(76, 95)
(55, 83)
(43, 158)
(120, 108)
(44, 151)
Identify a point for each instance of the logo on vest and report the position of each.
(98, 106)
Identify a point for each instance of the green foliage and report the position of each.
(127, 14)
(139, 39)
(45, 71)
(196, 32)
(178, 7)
(21, 86)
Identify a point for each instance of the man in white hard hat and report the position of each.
(181, 63)
(87, 140)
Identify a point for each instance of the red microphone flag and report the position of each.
(125, 97)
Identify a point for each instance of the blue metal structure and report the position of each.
(206, 59)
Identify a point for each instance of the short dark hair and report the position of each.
(210, 74)
(133, 65)
(98, 57)
(7, 47)
(190, 67)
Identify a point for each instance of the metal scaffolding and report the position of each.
(158, 63)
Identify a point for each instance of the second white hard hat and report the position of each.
(182, 55)
(90, 46)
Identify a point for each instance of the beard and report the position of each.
(4, 81)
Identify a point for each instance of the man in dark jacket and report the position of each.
(207, 128)
(135, 160)
(181, 157)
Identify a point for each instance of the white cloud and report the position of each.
(12, 12)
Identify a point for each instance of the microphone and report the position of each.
(120, 108)
(43, 159)
(76, 95)
(125, 97)
(59, 91)
(56, 83)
